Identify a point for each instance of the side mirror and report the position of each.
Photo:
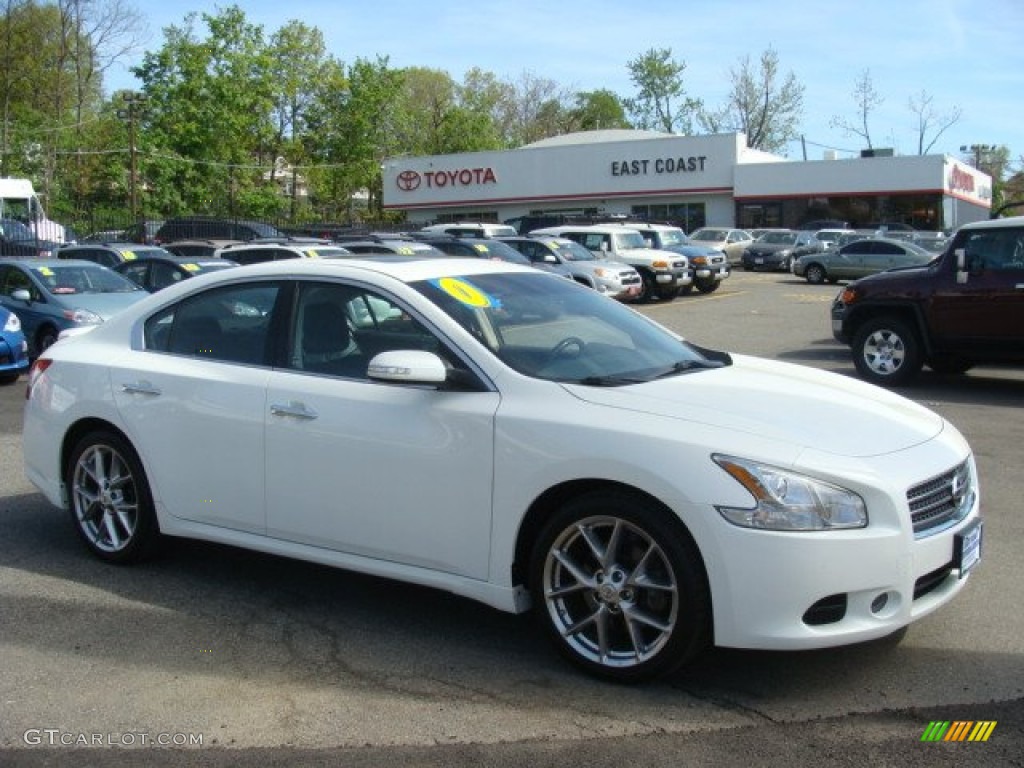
(21, 294)
(408, 366)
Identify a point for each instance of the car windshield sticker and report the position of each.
(406, 250)
(464, 292)
(128, 256)
(312, 254)
(46, 272)
(190, 267)
(480, 247)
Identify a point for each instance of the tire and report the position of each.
(708, 286)
(650, 288)
(6, 379)
(686, 290)
(111, 505)
(667, 294)
(815, 274)
(45, 338)
(590, 607)
(886, 351)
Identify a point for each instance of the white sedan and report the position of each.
(515, 438)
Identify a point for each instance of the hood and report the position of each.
(769, 247)
(789, 403)
(103, 304)
(670, 255)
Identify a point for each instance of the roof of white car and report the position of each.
(404, 268)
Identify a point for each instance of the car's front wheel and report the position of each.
(886, 351)
(815, 274)
(708, 286)
(619, 587)
(111, 505)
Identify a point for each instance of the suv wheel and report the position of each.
(708, 286)
(886, 351)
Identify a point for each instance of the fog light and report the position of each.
(879, 603)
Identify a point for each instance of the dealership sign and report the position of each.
(658, 165)
(409, 181)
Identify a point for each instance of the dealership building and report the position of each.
(694, 181)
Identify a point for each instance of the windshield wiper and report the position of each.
(685, 366)
(608, 381)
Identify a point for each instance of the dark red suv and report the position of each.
(964, 308)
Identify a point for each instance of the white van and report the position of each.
(18, 200)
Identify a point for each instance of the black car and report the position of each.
(772, 250)
(154, 270)
(16, 239)
(109, 254)
(213, 228)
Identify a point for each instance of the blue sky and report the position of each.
(963, 53)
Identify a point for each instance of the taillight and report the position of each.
(37, 369)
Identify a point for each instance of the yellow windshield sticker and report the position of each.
(46, 272)
(312, 254)
(406, 250)
(463, 292)
(480, 247)
(128, 255)
(190, 267)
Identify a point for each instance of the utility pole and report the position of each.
(133, 105)
(980, 151)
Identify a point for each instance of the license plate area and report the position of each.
(967, 548)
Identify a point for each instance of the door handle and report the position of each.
(140, 388)
(294, 409)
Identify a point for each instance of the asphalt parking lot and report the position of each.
(273, 662)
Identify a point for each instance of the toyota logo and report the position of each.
(408, 181)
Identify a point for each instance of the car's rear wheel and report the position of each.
(619, 587)
(815, 274)
(111, 504)
(886, 351)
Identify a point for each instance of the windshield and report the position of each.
(708, 234)
(627, 240)
(82, 278)
(670, 237)
(573, 251)
(778, 238)
(555, 329)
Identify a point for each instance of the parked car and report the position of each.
(109, 254)
(211, 227)
(730, 241)
(710, 265)
(963, 308)
(773, 250)
(858, 259)
(470, 229)
(473, 247)
(515, 438)
(16, 239)
(144, 231)
(278, 249)
(567, 257)
(52, 295)
(395, 245)
(156, 271)
(13, 347)
(199, 248)
(665, 274)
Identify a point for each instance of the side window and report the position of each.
(230, 324)
(13, 279)
(339, 328)
(163, 275)
(135, 272)
(999, 250)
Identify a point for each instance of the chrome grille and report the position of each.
(941, 500)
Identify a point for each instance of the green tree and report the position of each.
(208, 122)
(598, 110)
(761, 104)
(661, 102)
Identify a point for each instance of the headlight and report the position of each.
(699, 260)
(13, 324)
(83, 317)
(788, 501)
